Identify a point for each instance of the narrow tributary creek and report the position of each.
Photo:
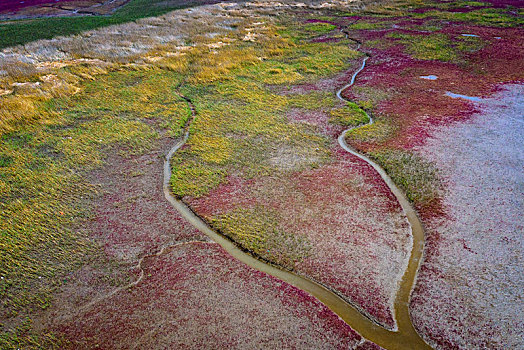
(405, 337)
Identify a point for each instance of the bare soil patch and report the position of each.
(473, 272)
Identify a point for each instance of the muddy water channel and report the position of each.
(405, 337)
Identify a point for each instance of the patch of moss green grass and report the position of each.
(320, 27)
(350, 115)
(257, 230)
(305, 60)
(300, 32)
(472, 3)
(369, 97)
(44, 193)
(377, 44)
(428, 27)
(469, 44)
(379, 132)
(389, 9)
(417, 177)
(427, 47)
(23, 31)
(438, 46)
(363, 25)
(314, 100)
(319, 59)
(314, 58)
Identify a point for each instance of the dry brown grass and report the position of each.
(32, 74)
(180, 41)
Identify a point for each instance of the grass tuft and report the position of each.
(427, 47)
(378, 132)
(417, 177)
(256, 229)
(350, 115)
(320, 27)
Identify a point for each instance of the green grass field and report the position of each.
(24, 31)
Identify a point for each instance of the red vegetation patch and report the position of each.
(133, 217)
(359, 238)
(219, 199)
(455, 278)
(196, 296)
(418, 104)
(466, 261)
(501, 61)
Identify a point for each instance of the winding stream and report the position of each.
(405, 337)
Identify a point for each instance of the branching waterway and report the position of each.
(405, 337)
